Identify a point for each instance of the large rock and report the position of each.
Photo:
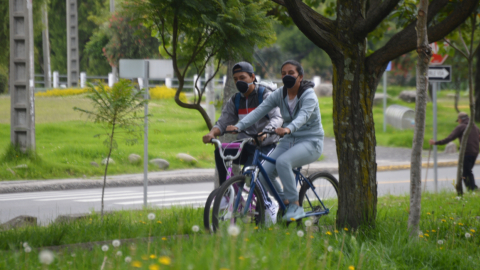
(186, 158)
(408, 96)
(110, 161)
(324, 90)
(18, 222)
(160, 163)
(378, 99)
(450, 148)
(94, 164)
(134, 158)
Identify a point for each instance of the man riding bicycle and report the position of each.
(249, 97)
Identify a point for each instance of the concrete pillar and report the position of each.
(47, 74)
(168, 82)
(210, 91)
(56, 79)
(110, 79)
(83, 79)
(317, 80)
(73, 65)
(21, 83)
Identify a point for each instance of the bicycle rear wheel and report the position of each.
(326, 187)
(224, 212)
(207, 212)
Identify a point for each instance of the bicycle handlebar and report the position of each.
(219, 144)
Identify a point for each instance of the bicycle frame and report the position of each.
(258, 157)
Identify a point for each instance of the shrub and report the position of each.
(163, 92)
(62, 92)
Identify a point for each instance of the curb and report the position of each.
(424, 165)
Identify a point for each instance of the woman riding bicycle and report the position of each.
(302, 130)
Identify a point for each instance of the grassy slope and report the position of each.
(387, 246)
(66, 142)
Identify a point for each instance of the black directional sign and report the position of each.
(440, 73)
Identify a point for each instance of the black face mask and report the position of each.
(289, 81)
(243, 86)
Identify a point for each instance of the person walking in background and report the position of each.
(471, 151)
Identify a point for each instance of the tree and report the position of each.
(469, 54)
(194, 32)
(355, 78)
(424, 55)
(116, 109)
(119, 38)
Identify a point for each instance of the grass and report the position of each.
(443, 243)
(66, 144)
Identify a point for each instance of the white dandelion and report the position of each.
(330, 249)
(233, 230)
(151, 216)
(119, 253)
(467, 235)
(128, 259)
(116, 243)
(45, 257)
(25, 244)
(308, 223)
(28, 249)
(300, 233)
(440, 242)
(105, 248)
(195, 228)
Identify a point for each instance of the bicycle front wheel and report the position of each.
(230, 204)
(207, 212)
(324, 196)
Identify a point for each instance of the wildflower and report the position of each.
(153, 267)
(45, 257)
(270, 229)
(256, 228)
(153, 256)
(119, 253)
(144, 257)
(28, 249)
(73, 255)
(330, 249)
(287, 233)
(292, 219)
(25, 244)
(427, 235)
(151, 216)
(128, 259)
(136, 264)
(421, 236)
(351, 267)
(345, 229)
(336, 231)
(451, 218)
(311, 236)
(460, 224)
(246, 240)
(241, 258)
(467, 235)
(440, 242)
(428, 213)
(441, 247)
(328, 233)
(428, 231)
(300, 233)
(308, 223)
(165, 260)
(159, 222)
(116, 243)
(443, 220)
(234, 230)
(164, 238)
(195, 228)
(105, 248)
(472, 230)
(434, 231)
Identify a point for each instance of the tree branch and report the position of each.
(463, 41)
(376, 14)
(319, 29)
(455, 47)
(280, 2)
(405, 40)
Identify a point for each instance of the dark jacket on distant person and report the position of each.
(473, 138)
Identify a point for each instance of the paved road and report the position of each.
(46, 206)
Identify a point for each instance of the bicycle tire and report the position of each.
(220, 217)
(206, 210)
(326, 187)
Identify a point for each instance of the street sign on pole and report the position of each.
(440, 73)
(437, 59)
(389, 67)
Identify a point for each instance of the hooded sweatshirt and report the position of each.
(304, 121)
(473, 138)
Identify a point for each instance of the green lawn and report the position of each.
(448, 240)
(66, 142)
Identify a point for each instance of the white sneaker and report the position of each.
(271, 214)
(223, 203)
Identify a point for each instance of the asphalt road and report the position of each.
(46, 206)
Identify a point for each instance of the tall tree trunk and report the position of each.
(477, 88)
(424, 54)
(106, 164)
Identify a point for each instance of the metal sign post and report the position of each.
(389, 67)
(143, 70)
(437, 74)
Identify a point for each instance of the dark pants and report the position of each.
(468, 178)
(246, 158)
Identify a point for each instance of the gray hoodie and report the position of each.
(248, 106)
(305, 122)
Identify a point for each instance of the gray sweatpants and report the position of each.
(289, 154)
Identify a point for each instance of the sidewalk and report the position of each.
(388, 159)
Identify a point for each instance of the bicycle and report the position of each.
(245, 202)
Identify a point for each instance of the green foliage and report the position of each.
(120, 39)
(14, 154)
(116, 108)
